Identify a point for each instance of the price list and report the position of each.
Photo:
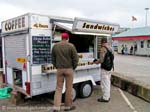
(41, 49)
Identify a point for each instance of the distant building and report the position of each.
(137, 41)
(115, 42)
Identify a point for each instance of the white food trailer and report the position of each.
(27, 43)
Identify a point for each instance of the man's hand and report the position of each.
(95, 61)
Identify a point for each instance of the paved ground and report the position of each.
(116, 104)
(136, 68)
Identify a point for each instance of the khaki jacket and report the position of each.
(64, 55)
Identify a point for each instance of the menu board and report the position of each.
(41, 46)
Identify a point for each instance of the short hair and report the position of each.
(104, 40)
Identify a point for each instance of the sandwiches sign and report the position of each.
(82, 25)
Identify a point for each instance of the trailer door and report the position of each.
(15, 47)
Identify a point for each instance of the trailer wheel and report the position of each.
(86, 89)
(74, 93)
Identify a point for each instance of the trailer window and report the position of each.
(83, 43)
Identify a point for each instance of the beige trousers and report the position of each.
(105, 83)
(67, 76)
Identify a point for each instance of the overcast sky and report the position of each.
(116, 11)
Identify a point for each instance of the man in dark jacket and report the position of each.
(65, 59)
(105, 74)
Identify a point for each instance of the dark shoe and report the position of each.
(102, 100)
(71, 108)
(55, 110)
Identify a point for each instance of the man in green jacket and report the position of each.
(65, 59)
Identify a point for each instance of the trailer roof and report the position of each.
(76, 25)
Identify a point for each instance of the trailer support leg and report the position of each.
(16, 98)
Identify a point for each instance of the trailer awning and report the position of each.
(66, 26)
(69, 27)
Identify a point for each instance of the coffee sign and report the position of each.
(16, 24)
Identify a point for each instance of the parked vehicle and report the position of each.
(27, 43)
